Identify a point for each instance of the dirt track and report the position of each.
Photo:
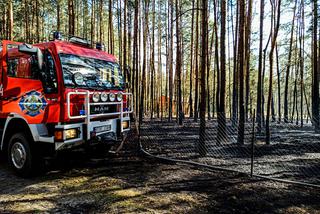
(132, 184)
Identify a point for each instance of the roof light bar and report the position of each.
(57, 35)
(77, 40)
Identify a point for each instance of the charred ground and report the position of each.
(131, 183)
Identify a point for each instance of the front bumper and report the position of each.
(106, 132)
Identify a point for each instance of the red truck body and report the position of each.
(77, 97)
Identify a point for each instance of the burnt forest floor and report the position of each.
(132, 183)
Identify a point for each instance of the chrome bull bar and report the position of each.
(87, 104)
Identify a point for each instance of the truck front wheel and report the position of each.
(20, 157)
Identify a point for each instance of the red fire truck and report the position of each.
(59, 95)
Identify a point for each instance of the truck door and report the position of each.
(23, 91)
(49, 79)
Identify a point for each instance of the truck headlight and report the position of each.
(125, 124)
(61, 135)
(71, 134)
(96, 97)
(112, 97)
(119, 97)
(104, 97)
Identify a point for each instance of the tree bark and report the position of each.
(221, 137)
(247, 56)
(111, 37)
(196, 95)
(71, 16)
(93, 23)
(279, 85)
(241, 50)
(178, 64)
(171, 61)
(204, 46)
(58, 16)
(276, 16)
(144, 65)
(315, 78)
(191, 62)
(259, 86)
(285, 105)
(10, 20)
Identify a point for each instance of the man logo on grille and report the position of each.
(33, 103)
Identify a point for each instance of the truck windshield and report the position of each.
(97, 74)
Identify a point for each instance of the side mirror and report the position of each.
(29, 49)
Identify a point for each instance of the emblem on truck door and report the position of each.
(32, 103)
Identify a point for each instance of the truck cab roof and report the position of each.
(67, 47)
(76, 49)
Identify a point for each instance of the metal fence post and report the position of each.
(252, 141)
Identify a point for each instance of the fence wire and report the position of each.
(293, 153)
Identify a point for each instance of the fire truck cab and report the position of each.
(59, 95)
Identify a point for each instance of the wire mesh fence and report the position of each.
(293, 153)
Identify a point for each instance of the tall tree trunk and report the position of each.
(159, 102)
(111, 37)
(178, 63)
(101, 21)
(119, 25)
(71, 16)
(26, 17)
(93, 23)
(247, 56)
(276, 15)
(210, 53)
(273, 116)
(58, 16)
(315, 78)
(196, 95)
(171, 61)
(191, 61)
(135, 61)
(37, 22)
(279, 86)
(125, 32)
(204, 46)
(241, 71)
(217, 65)
(221, 109)
(167, 55)
(10, 20)
(285, 105)
(152, 61)
(229, 58)
(301, 57)
(235, 88)
(259, 89)
(144, 65)
(85, 18)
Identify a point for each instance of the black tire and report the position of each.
(20, 146)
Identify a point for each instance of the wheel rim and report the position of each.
(18, 155)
